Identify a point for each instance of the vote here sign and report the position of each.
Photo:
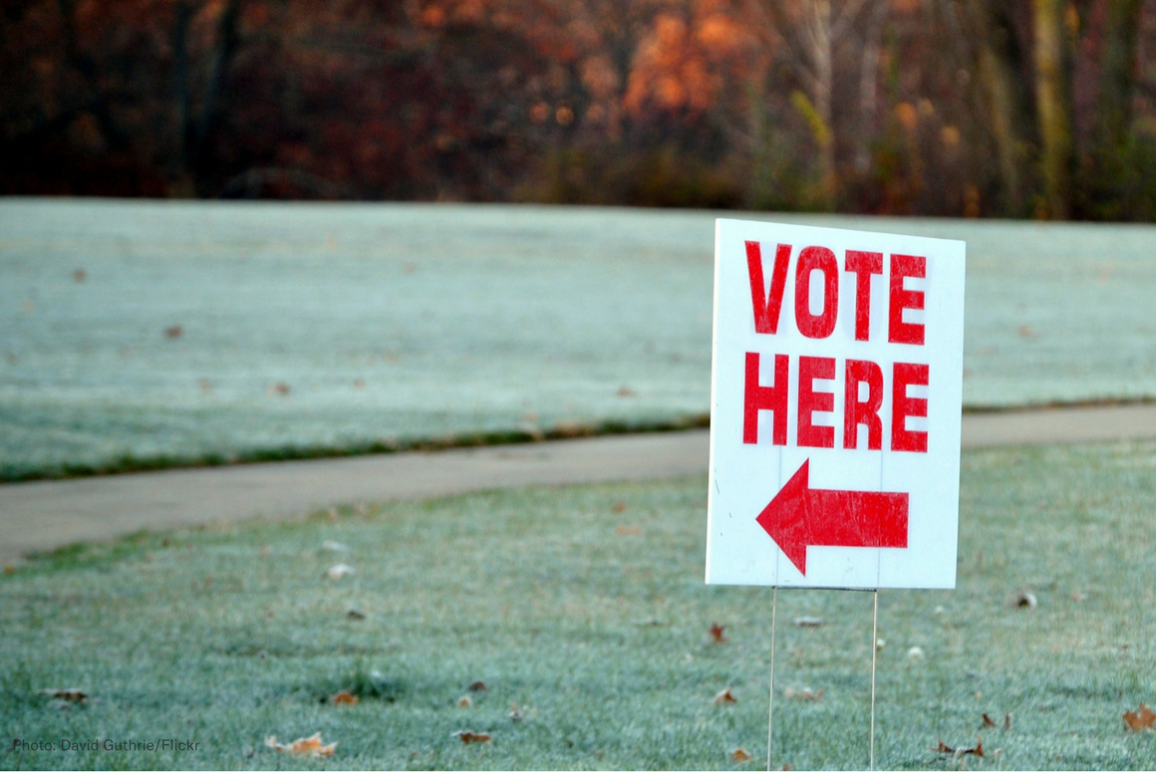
(836, 394)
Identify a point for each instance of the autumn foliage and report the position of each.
(891, 106)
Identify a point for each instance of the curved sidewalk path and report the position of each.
(45, 515)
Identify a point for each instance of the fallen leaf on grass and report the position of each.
(628, 530)
(625, 391)
(1025, 600)
(304, 746)
(619, 507)
(175, 331)
(740, 756)
(281, 388)
(467, 737)
(806, 695)
(9, 569)
(1144, 719)
(79, 275)
(478, 686)
(990, 723)
(958, 752)
(716, 633)
(69, 695)
(725, 697)
(338, 571)
(343, 697)
(465, 701)
(807, 621)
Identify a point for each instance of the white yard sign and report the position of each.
(836, 394)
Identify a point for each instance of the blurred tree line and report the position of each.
(1023, 108)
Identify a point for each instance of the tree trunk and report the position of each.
(1117, 71)
(97, 103)
(1113, 121)
(868, 86)
(824, 80)
(212, 107)
(998, 67)
(184, 127)
(1053, 107)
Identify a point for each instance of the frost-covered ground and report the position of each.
(331, 326)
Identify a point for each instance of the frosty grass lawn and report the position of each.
(585, 607)
(146, 334)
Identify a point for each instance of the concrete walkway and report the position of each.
(45, 515)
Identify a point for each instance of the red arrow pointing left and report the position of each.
(800, 517)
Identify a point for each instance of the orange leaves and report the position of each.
(344, 697)
(740, 756)
(907, 116)
(600, 77)
(684, 63)
(1144, 719)
(304, 746)
(469, 737)
(719, 34)
(725, 697)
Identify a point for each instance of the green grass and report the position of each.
(312, 330)
(586, 607)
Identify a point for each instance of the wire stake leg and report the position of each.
(771, 709)
(874, 652)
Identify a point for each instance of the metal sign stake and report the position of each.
(771, 710)
(874, 652)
